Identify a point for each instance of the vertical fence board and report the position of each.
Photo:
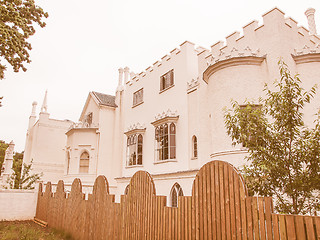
(282, 227)
(310, 228)
(261, 218)
(300, 228)
(222, 202)
(291, 231)
(227, 201)
(249, 217)
(268, 208)
(255, 218)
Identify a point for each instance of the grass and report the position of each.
(28, 230)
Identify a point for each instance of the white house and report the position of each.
(168, 120)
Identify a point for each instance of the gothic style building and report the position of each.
(168, 120)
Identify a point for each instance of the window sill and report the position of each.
(134, 166)
(137, 104)
(163, 90)
(165, 161)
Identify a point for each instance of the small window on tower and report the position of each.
(138, 97)
(84, 162)
(166, 80)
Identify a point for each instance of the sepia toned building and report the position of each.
(168, 120)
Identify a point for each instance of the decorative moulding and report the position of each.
(135, 128)
(193, 85)
(81, 125)
(168, 116)
(217, 65)
(307, 57)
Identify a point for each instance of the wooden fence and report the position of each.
(219, 208)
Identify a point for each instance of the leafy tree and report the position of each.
(283, 153)
(3, 147)
(16, 26)
(21, 177)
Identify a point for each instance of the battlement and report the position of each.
(184, 47)
(250, 43)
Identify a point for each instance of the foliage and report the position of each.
(283, 154)
(3, 147)
(29, 231)
(21, 177)
(16, 26)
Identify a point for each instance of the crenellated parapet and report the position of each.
(256, 42)
(161, 65)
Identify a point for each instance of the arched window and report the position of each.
(194, 147)
(68, 162)
(134, 149)
(176, 191)
(165, 136)
(84, 162)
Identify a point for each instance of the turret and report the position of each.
(32, 118)
(44, 108)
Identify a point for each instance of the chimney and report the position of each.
(120, 83)
(311, 22)
(126, 74)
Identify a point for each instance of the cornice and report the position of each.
(235, 61)
(135, 131)
(306, 58)
(165, 120)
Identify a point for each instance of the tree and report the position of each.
(21, 177)
(16, 26)
(283, 153)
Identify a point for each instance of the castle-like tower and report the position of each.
(45, 142)
(169, 119)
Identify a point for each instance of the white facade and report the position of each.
(45, 143)
(187, 90)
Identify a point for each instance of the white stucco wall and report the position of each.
(199, 104)
(18, 204)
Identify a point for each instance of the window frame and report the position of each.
(177, 189)
(136, 96)
(166, 80)
(81, 160)
(165, 140)
(135, 134)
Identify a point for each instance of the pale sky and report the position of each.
(85, 42)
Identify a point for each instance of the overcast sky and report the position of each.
(85, 42)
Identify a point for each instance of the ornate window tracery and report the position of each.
(165, 137)
(176, 191)
(134, 149)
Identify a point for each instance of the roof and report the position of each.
(105, 99)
